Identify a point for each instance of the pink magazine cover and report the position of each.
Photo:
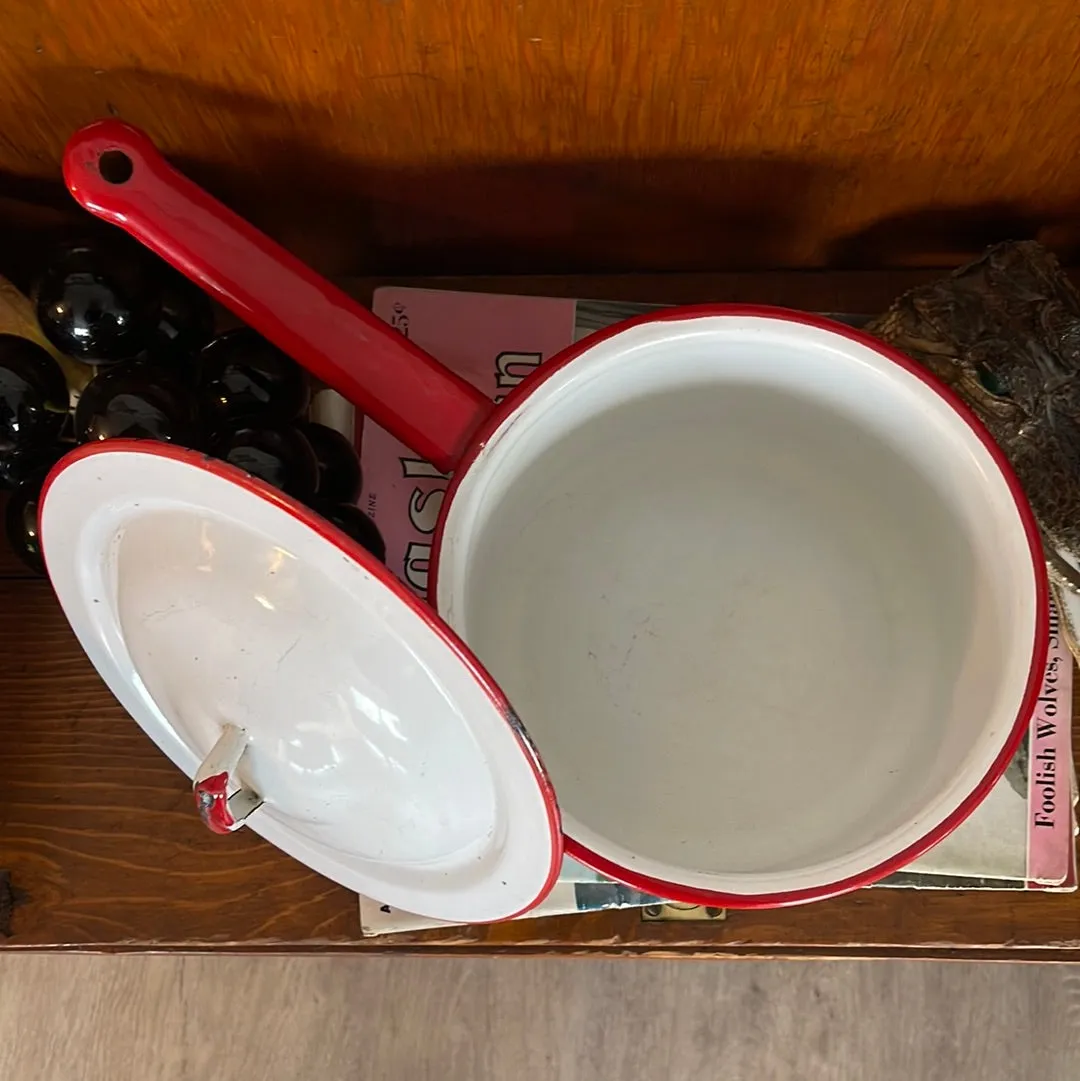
(1021, 837)
(1051, 825)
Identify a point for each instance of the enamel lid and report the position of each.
(307, 692)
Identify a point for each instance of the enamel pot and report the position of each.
(746, 597)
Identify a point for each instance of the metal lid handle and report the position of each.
(220, 811)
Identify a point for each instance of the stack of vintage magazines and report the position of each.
(1021, 837)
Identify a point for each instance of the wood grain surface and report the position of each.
(94, 873)
(481, 1019)
(417, 136)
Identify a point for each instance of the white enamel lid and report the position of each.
(273, 659)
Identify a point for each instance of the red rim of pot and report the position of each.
(692, 895)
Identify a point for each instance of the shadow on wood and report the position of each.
(284, 169)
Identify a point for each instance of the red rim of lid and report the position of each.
(329, 532)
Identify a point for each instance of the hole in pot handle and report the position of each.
(115, 167)
(220, 811)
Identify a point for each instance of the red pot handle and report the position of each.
(116, 172)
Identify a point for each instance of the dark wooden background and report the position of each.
(465, 136)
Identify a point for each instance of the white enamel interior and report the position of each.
(384, 763)
(762, 599)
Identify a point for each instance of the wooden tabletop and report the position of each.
(85, 872)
